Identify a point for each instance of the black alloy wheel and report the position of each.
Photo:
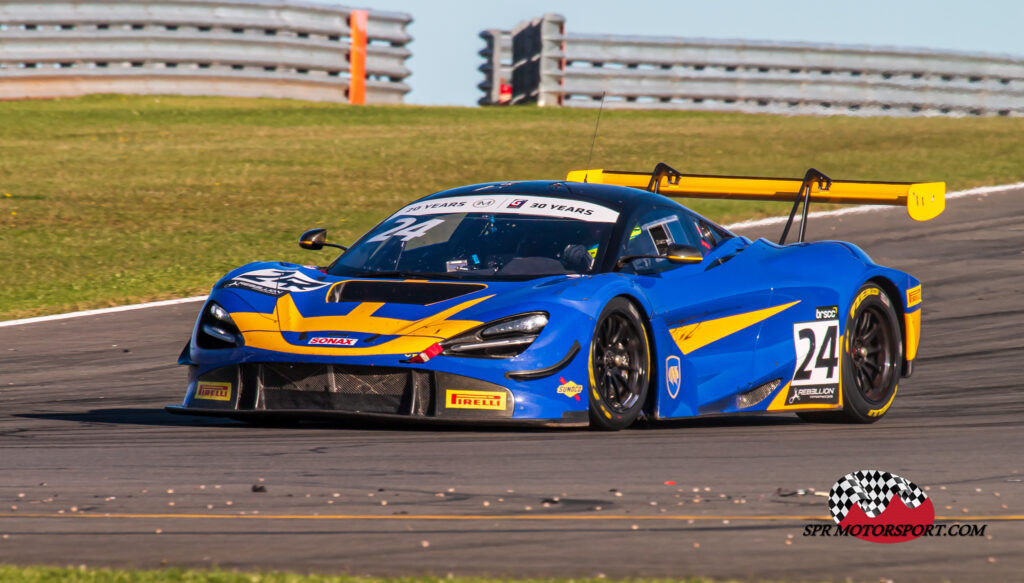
(620, 365)
(872, 359)
(873, 346)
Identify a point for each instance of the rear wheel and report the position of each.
(872, 359)
(620, 363)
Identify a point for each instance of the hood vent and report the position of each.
(420, 293)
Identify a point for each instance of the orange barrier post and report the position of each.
(357, 57)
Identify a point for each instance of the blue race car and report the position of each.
(590, 301)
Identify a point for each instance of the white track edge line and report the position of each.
(740, 225)
(101, 311)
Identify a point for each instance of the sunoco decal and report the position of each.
(569, 388)
(274, 282)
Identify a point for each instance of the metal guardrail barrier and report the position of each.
(746, 76)
(538, 61)
(242, 48)
(497, 67)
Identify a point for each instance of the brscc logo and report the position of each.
(880, 507)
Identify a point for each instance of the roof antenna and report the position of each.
(594, 141)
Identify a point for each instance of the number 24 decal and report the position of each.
(406, 229)
(817, 352)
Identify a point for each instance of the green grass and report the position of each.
(9, 574)
(109, 200)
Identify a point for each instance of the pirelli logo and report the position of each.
(488, 400)
(913, 296)
(213, 391)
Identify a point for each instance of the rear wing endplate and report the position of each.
(924, 200)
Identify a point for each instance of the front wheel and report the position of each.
(620, 363)
(872, 359)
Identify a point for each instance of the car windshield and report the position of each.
(484, 237)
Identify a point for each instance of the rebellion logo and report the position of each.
(213, 391)
(814, 394)
(569, 388)
(880, 507)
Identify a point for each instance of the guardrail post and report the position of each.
(497, 67)
(357, 57)
(538, 56)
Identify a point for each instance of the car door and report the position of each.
(706, 316)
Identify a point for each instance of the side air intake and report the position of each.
(757, 394)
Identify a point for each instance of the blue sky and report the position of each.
(444, 62)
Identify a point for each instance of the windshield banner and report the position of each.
(537, 206)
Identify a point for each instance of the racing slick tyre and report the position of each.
(872, 359)
(620, 366)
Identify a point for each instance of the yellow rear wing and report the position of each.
(923, 200)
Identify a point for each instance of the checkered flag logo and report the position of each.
(872, 490)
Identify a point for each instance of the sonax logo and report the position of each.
(569, 388)
(329, 341)
(489, 400)
(213, 391)
(880, 507)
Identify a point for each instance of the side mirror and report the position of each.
(316, 239)
(683, 254)
(676, 253)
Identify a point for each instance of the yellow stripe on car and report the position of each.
(414, 335)
(694, 336)
(912, 324)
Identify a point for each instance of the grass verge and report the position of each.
(108, 200)
(85, 575)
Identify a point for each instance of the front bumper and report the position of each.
(310, 390)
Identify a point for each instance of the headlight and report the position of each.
(503, 338)
(217, 329)
(220, 313)
(530, 324)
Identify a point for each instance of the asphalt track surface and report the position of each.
(93, 471)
